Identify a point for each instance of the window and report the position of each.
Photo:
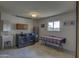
(7, 27)
(54, 26)
(50, 26)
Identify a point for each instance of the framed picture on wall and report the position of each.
(42, 25)
(69, 22)
(73, 22)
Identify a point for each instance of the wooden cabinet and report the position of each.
(21, 26)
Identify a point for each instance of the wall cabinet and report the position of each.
(21, 26)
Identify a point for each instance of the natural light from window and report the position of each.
(54, 26)
(7, 27)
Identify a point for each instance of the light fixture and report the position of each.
(34, 15)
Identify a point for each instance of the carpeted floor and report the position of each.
(35, 51)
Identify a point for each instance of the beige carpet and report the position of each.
(52, 51)
(35, 51)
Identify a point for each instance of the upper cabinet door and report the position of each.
(21, 26)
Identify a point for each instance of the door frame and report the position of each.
(76, 27)
(77, 34)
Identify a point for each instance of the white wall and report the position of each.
(12, 20)
(68, 31)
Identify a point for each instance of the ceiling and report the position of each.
(42, 8)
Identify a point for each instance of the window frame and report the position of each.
(53, 29)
